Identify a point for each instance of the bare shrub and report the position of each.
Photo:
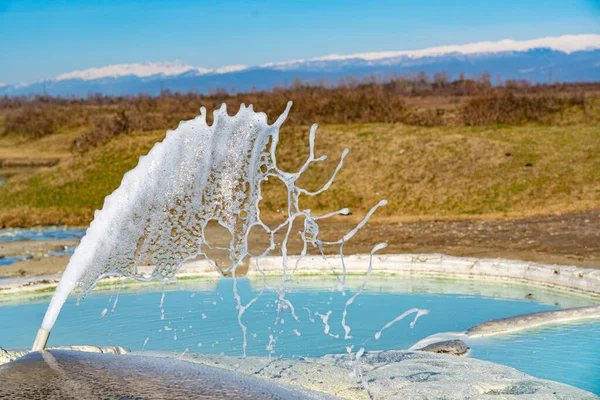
(104, 129)
(414, 99)
(31, 123)
(512, 109)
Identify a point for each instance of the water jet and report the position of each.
(198, 175)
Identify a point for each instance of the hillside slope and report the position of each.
(424, 172)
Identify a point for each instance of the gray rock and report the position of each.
(80, 375)
(397, 374)
(393, 374)
(455, 347)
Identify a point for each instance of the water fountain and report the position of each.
(157, 220)
(199, 174)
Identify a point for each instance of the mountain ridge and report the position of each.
(566, 58)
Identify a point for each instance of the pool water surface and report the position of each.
(201, 316)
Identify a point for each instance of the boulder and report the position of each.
(455, 347)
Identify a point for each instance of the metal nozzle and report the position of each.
(40, 340)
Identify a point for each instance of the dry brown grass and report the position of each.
(425, 173)
(450, 171)
(511, 109)
(416, 100)
(533, 149)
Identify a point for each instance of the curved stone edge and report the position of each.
(532, 320)
(510, 325)
(42, 284)
(456, 347)
(562, 277)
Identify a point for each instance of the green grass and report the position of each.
(426, 172)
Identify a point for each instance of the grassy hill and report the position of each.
(425, 172)
(433, 148)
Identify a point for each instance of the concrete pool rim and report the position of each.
(566, 278)
(563, 278)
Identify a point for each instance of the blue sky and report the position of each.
(40, 39)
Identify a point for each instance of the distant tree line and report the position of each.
(414, 99)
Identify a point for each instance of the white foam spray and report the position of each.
(418, 312)
(199, 174)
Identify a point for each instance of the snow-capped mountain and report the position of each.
(563, 58)
(139, 70)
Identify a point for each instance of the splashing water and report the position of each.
(200, 174)
(418, 312)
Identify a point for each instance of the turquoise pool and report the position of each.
(200, 316)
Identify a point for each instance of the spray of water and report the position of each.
(200, 174)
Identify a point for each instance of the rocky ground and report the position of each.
(569, 239)
(401, 375)
(380, 374)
